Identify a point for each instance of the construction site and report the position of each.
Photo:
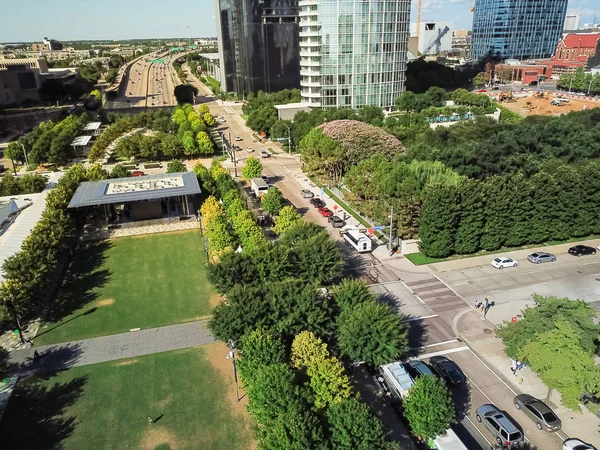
(541, 103)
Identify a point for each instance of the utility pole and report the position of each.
(25, 154)
(391, 223)
(231, 355)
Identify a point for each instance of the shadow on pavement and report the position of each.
(417, 336)
(49, 361)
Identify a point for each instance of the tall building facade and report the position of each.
(571, 21)
(258, 44)
(353, 52)
(517, 29)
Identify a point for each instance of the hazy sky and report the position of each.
(126, 19)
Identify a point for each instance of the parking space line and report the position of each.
(440, 353)
(441, 343)
(587, 264)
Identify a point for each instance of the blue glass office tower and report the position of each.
(520, 29)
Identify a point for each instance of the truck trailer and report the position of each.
(259, 186)
(357, 239)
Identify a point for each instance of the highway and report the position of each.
(149, 84)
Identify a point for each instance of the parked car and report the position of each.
(325, 212)
(237, 138)
(336, 221)
(541, 257)
(306, 193)
(447, 369)
(264, 154)
(249, 149)
(137, 173)
(504, 429)
(418, 369)
(504, 261)
(577, 444)
(539, 412)
(581, 250)
(317, 202)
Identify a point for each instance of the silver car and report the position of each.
(307, 193)
(541, 257)
(539, 412)
(506, 432)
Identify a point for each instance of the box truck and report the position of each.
(357, 239)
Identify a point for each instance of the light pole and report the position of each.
(231, 355)
(289, 140)
(590, 86)
(25, 154)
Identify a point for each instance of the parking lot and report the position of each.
(569, 276)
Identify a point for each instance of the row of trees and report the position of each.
(510, 211)
(260, 108)
(150, 146)
(580, 81)
(192, 129)
(559, 340)
(31, 272)
(48, 142)
(26, 184)
(157, 120)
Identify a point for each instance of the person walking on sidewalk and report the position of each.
(513, 366)
(486, 309)
(486, 302)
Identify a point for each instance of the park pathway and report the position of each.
(110, 348)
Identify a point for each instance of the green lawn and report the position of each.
(189, 393)
(134, 282)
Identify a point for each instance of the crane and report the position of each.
(419, 5)
(437, 41)
(472, 8)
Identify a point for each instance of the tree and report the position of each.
(253, 168)
(205, 145)
(96, 94)
(479, 79)
(429, 408)
(272, 201)
(259, 348)
(220, 236)
(14, 152)
(210, 210)
(561, 362)
(176, 166)
(321, 153)
(352, 292)
(287, 218)
(371, 332)
(308, 350)
(190, 145)
(471, 217)
(439, 217)
(185, 93)
(96, 172)
(118, 171)
(209, 120)
(354, 426)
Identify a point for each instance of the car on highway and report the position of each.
(237, 138)
(249, 149)
(541, 257)
(506, 432)
(539, 412)
(325, 212)
(317, 202)
(504, 261)
(336, 221)
(582, 250)
(264, 154)
(447, 369)
(577, 444)
(307, 193)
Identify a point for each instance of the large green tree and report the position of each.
(287, 218)
(253, 168)
(351, 293)
(429, 408)
(272, 201)
(439, 221)
(371, 332)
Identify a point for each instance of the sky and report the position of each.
(28, 21)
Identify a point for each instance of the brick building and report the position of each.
(575, 50)
(514, 70)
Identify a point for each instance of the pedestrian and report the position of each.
(150, 420)
(476, 304)
(486, 302)
(513, 367)
(520, 365)
(486, 309)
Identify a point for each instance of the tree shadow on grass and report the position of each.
(83, 276)
(36, 415)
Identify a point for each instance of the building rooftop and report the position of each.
(134, 189)
(214, 56)
(92, 126)
(586, 40)
(81, 140)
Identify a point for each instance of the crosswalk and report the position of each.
(436, 295)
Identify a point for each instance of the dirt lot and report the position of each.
(544, 108)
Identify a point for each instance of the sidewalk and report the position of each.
(519, 255)
(480, 335)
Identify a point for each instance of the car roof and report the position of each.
(536, 403)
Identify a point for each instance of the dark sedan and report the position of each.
(447, 369)
(581, 250)
(317, 202)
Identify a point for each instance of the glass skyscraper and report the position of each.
(258, 44)
(353, 52)
(520, 29)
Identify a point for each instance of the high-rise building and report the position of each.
(353, 52)
(519, 29)
(258, 44)
(434, 37)
(571, 21)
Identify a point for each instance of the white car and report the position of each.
(249, 149)
(577, 444)
(237, 138)
(264, 154)
(504, 261)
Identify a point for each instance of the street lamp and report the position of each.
(289, 140)
(231, 355)
(590, 86)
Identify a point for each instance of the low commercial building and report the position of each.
(93, 128)
(513, 70)
(162, 197)
(81, 144)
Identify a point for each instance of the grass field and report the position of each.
(133, 282)
(189, 393)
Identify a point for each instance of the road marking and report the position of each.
(475, 426)
(531, 271)
(412, 319)
(441, 343)
(461, 283)
(450, 287)
(440, 353)
(587, 264)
